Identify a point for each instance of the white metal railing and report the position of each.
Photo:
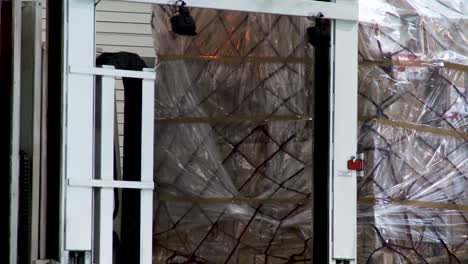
(104, 182)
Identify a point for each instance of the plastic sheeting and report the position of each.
(413, 108)
(233, 139)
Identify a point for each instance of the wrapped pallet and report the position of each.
(413, 109)
(234, 136)
(233, 139)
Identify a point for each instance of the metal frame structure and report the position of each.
(30, 122)
(88, 130)
(25, 132)
(87, 144)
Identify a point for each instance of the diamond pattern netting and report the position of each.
(234, 140)
(416, 166)
(414, 132)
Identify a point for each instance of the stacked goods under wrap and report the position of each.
(413, 109)
(234, 137)
(233, 143)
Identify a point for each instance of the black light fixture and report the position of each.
(320, 33)
(183, 23)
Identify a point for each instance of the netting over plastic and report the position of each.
(233, 139)
(413, 108)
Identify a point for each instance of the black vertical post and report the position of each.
(54, 126)
(320, 37)
(130, 234)
(6, 73)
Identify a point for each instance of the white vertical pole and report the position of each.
(43, 156)
(15, 122)
(147, 135)
(105, 90)
(78, 130)
(344, 137)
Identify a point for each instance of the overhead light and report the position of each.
(319, 35)
(183, 23)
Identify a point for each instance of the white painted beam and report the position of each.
(78, 129)
(103, 225)
(147, 161)
(345, 84)
(84, 70)
(111, 184)
(306, 8)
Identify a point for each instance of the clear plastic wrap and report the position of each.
(413, 109)
(233, 139)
